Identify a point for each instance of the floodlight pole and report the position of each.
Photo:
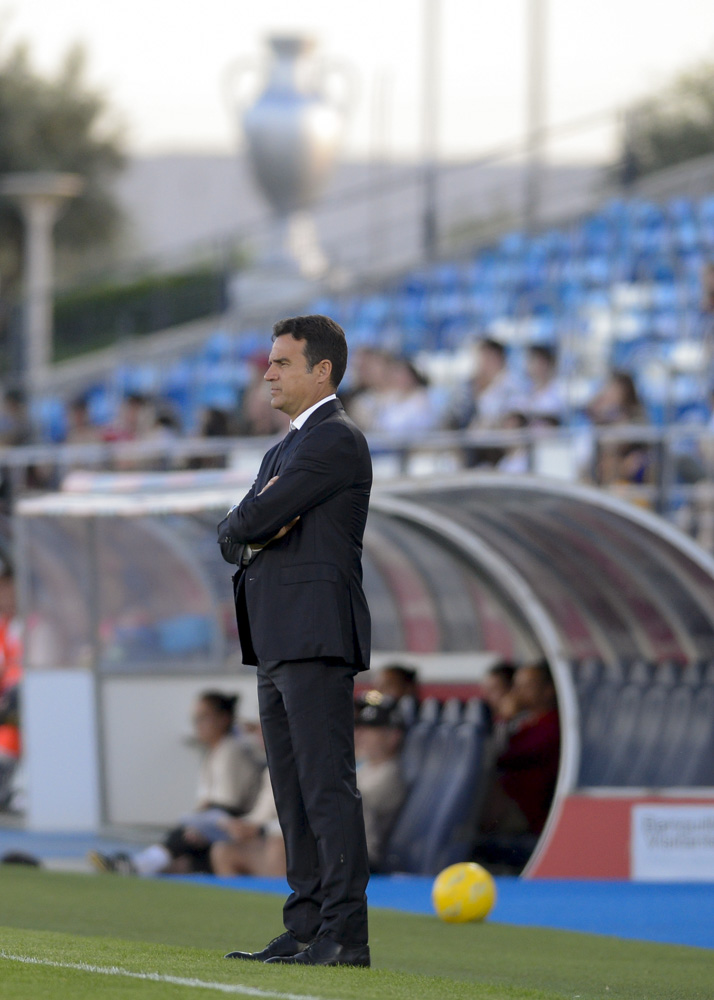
(431, 25)
(40, 197)
(536, 21)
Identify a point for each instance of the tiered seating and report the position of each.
(621, 287)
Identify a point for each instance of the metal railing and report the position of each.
(676, 478)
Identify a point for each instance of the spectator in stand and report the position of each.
(135, 419)
(15, 425)
(228, 785)
(617, 404)
(514, 460)
(256, 416)
(214, 423)
(406, 406)
(379, 735)
(370, 388)
(633, 467)
(491, 395)
(81, 430)
(527, 768)
(495, 390)
(544, 396)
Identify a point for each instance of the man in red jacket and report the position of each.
(527, 769)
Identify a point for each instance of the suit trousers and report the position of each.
(307, 717)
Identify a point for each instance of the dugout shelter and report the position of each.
(128, 612)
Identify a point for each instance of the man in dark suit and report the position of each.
(303, 621)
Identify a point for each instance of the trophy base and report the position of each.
(271, 290)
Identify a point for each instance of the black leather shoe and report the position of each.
(325, 951)
(283, 946)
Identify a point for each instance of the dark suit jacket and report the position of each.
(301, 597)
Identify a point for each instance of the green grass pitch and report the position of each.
(104, 937)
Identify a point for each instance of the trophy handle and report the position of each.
(239, 83)
(338, 83)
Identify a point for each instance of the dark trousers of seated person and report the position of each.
(197, 856)
(307, 717)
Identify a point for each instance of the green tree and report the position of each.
(672, 126)
(58, 124)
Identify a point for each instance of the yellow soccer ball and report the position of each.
(463, 892)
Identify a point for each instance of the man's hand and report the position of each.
(285, 528)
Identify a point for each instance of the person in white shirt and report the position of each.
(545, 396)
(228, 786)
(407, 406)
(496, 391)
(255, 845)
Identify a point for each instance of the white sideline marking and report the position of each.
(155, 977)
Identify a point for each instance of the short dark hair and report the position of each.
(324, 340)
(489, 344)
(223, 704)
(542, 669)
(408, 674)
(505, 672)
(543, 351)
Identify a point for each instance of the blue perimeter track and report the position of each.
(667, 913)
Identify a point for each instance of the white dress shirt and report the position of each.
(297, 423)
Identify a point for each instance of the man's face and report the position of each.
(529, 690)
(494, 689)
(490, 362)
(293, 388)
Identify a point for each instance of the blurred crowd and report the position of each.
(391, 397)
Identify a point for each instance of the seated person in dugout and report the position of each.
(228, 785)
(379, 735)
(401, 682)
(526, 768)
(256, 845)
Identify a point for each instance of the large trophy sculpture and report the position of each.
(292, 132)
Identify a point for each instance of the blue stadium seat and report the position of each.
(452, 829)
(415, 749)
(451, 712)
(429, 710)
(664, 768)
(436, 824)
(596, 712)
(645, 745)
(614, 755)
(697, 765)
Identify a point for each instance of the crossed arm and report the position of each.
(322, 466)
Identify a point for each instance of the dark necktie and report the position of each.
(284, 444)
